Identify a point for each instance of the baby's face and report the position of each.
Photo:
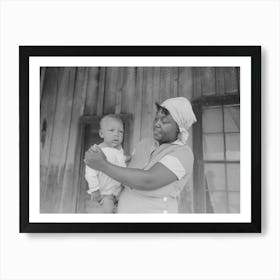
(112, 133)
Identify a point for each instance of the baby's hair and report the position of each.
(108, 117)
(162, 109)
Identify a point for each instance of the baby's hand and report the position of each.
(96, 196)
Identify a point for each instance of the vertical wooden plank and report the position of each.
(128, 89)
(101, 91)
(138, 104)
(174, 77)
(147, 104)
(126, 138)
(47, 112)
(155, 94)
(185, 87)
(156, 85)
(238, 79)
(110, 90)
(128, 94)
(220, 81)
(197, 86)
(198, 170)
(231, 82)
(82, 184)
(208, 81)
(92, 91)
(119, 89)
(60, 138)
(42, 79)
(165, 80)
(71, 174)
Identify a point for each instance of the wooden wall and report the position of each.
(69, 93)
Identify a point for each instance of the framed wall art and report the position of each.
(145, 180)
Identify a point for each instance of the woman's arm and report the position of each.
(154, 178)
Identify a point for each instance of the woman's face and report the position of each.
(165, 128)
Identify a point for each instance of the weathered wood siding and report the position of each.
(69, 93)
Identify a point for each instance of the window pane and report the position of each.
(215, 176)
(232, 146)
(213, 147)
(234, 202)
(212, 120)
(218, 200)
(232, 119)
(233, 174)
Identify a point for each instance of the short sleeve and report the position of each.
(179, 162)
(174, 165)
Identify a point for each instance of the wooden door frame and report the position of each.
(94, 120)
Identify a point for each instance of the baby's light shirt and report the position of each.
(98, 180)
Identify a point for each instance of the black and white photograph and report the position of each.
(122, 109)
(139, 140)
(122, 143)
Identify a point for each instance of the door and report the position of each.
(90, 135)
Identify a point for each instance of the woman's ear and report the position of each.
(101, 133)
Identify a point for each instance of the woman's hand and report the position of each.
(94, 157)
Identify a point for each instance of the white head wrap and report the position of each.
(181, 111)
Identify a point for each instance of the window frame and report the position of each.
(201, 197)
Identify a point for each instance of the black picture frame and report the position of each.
(254, 52)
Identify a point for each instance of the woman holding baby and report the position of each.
(159, 168)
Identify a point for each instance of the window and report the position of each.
(217, 155)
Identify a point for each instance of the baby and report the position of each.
(104, 191)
